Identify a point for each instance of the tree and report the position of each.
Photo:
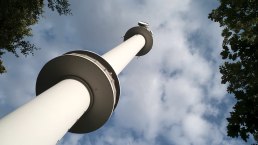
(239, 19)
(16, 17)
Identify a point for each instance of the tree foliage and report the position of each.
(16, 18)
(239, 18)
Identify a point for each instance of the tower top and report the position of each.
(141, 29)
(143, 24)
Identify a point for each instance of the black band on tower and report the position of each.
(96, 74)
(145, 33)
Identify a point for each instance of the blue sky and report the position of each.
(171, 96)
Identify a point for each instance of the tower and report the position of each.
(76, 92)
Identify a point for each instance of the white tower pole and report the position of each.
(45, 119)
(76, 92)
(121, 55)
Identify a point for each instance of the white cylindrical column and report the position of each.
(121, 55)
(45, 119)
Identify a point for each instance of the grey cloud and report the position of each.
(165, 94)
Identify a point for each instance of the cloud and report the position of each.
(71, 140)
(172, 95)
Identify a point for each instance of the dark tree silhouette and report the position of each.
(16, 17)
(239, 18)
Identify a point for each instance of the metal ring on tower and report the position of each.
(96, 74)
(142, 30)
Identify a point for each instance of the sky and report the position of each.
(171, 96)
